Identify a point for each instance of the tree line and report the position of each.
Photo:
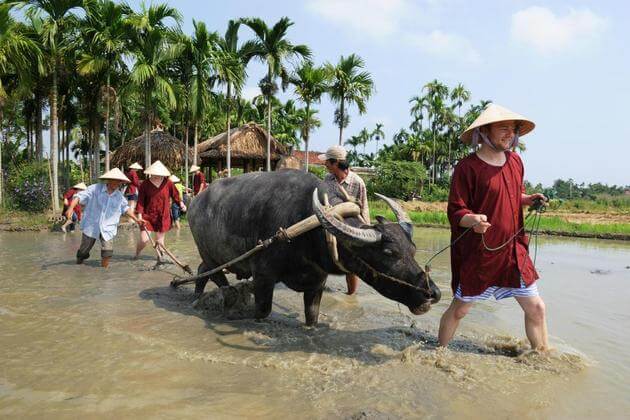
(105, 72)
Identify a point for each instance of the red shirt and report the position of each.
(135, 182)
(480, 188)
(154, 203)
(69, 195)
(199, 182)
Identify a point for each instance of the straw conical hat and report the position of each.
(174, 179)
(495, 113)
(194, 168)
(135, 165)
(158, 169)
(80, 186)
(114, 174)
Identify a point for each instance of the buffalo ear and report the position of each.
(381, 220)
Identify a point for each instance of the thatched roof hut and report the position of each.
(248, 146)
(170, 150)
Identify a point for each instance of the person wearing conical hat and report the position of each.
(154, 204)
(487, 196)
(67, 199)
(103, 203)
(343, 184)
(176, 211)
(134, 184)
(199, 180)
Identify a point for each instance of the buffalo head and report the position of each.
(383, 255)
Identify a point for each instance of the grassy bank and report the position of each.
(14, 220)
(552, 225)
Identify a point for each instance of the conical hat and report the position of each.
(80, 186)
(174, 179)
(114, 174)
(495, 113)
(194, 168)
(157, 168)
(135, 165)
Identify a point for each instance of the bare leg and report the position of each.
(450, 320)
(352, 281)
(535, 321)
(312, 300)
(142, 242)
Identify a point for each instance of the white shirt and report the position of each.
(102, 211)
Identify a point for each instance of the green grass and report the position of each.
(24, 220)
(547, 223)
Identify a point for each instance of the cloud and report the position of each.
(447, 46)
(376, 18)
(395, 20)
(539, 28)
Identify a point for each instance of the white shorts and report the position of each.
(500, 292)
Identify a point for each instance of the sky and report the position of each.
(562, 64)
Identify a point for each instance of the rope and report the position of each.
(537, 208)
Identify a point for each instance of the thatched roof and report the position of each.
(170, 150)
(248, 141)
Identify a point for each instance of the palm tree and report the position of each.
(59, 20)
(201, 45)
(273, 48)
(310, 84)
(153, 47)
(436, 93)
(377, 134)
(229, 62)
(106, 28)
(16, 52)
(364, 135)
(350, 86)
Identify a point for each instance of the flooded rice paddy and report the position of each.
(83, 342)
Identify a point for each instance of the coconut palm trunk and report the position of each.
(107, 126)
(39, 135)
(306, 135)
(229, 131)
(341, 120)
(1, 173)
(195, 143)
(268, 133)
(186, 164)
(54, 141)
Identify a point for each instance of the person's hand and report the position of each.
(182, 206)
(141, 222)
(481, 224)
(530, 199)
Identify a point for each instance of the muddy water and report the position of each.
(78, 341)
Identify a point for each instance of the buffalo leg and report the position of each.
(218, 279)
(312, 300)
(263, 296)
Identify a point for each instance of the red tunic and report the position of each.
(480, 188)
(135, 182)
(155, 204)
(199, 182)
(69, 195)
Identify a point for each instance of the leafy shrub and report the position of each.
(397, 179)
(29, 186)
(436, 193)
(318, 171)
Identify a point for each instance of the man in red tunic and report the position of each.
(67, 199)
(199, 180)
(487, 194)
(134, 184)
(154, 204)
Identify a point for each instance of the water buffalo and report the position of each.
(233, 214)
